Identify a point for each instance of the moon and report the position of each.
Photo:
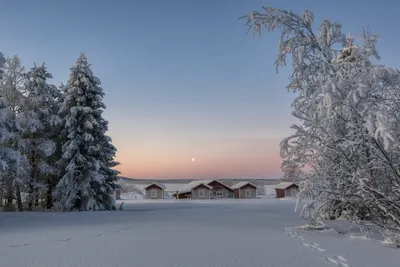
(193, 159)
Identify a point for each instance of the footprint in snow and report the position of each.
(313, 246)
(118, 231)
(123, 229)
(292, 233)
(338, 260)
(343, 259)
(288, 230)
(64, 240)
(19, 246)
(96, 235)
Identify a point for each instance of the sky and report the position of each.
(182, 79)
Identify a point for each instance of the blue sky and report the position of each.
(181, 78)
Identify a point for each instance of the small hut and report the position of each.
(286, 189)
(154, 191)
(244, 190)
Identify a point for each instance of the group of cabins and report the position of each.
(211, 189)
(214, 189)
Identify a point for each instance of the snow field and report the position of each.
(170, 233)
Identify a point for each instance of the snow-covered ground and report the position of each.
(190, 233)
(132, 195)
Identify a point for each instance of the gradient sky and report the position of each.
(181, 78)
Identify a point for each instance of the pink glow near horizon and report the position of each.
(240, 158)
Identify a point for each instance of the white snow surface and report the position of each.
(131, 195)
(172, 187)
(190, 186)
(190, 233)
(169, 187)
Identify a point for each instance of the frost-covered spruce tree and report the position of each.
(348, 108)
(107, 164)
(9, 158)
(39, 119)
(12, 164)
(87, 152)
(58, 137)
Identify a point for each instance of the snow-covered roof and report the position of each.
(206, 181)
(172, 187)
(210, 181)
(190, 186)
(241, 184)
(284, 185)
(156, 184)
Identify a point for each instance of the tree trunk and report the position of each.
(1, 198)
(37, 198)
(9, 199)
(49, 196)
(31, 191)
(19, 199)
(30, 197)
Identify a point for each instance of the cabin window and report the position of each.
(220, 194)
(201, 193)
(247, 193)
(153, 193)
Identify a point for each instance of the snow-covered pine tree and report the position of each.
(107, 164)
(2, 63)
(349, 113)
(12, 163)
(8, 157)
(3, 132)
(87, 152)
(62, 132)
(39, 119)
(58, 137)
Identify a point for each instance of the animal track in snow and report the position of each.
(333, 261)
(338, 260)
(19, 246)
(313, 246)
(123, 229)
(118, 231)
(300, 237)
(64, 240)
(96, 235)
(341, 258)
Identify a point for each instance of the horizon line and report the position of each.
(197, 178)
